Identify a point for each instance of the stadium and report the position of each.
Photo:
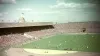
(49, 28)
(30, 39)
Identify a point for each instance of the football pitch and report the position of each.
(68, 42)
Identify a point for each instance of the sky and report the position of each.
(61, 11)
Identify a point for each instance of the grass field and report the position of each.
(68, 42)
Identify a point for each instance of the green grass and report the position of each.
(83, 42)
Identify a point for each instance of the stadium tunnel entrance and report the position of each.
(22, 30)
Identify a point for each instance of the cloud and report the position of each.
(44, 12)
(62, 4)
(3, 13)
(80, 1)
(24, 9)
(37, 11)
(49, 12)
(7, 1)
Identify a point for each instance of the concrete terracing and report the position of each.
(76, 27)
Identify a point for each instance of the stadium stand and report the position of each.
(14, 36)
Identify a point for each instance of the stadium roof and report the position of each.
(10, 25)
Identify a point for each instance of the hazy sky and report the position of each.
(50, 10)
